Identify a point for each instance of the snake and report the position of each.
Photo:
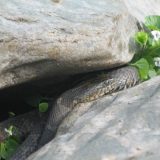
(38, 130)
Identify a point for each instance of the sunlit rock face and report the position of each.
(55, 38)
(141, 9)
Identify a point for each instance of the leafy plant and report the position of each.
(38, 101)
(141, 38)
(147, 60)
(143, 66)
(10, 144)
(11, 114)
(152, 22)
(8, 147)
(43, 107)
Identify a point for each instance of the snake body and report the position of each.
(90, 89)
(28, 128)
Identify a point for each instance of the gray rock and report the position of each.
(58, 38)
(121, 126)
(54, 38)
(142, 8)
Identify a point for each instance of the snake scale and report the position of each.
(90, 89)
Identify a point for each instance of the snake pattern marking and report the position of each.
(90, 89)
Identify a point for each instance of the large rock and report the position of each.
(50, 38)
(142, 8)
(122, 126)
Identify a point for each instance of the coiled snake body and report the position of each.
(90, 89)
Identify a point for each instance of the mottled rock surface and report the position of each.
(142, 8)
(53, 38)
(122, 126)
(58, 38)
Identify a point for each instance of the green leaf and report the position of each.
(158, 71)
(8, 147)
(141, 38)
(152, 22)
(155, 43)
(143, 67)
(150, 61)
(152, 73)
(154, 50)
(11, 146)
(43, 107)
(11, 114)
(3, 151)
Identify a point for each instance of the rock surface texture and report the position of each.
(143, 8)
(51, 38)
(122, 126)
(59, 38)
